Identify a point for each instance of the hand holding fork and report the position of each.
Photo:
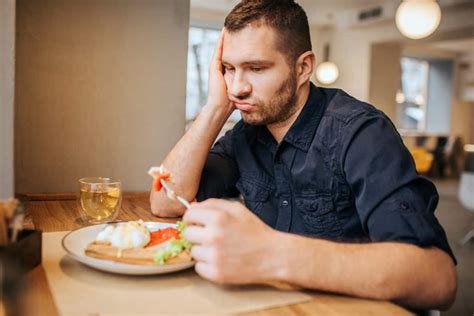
(162, 175)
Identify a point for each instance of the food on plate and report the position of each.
(158, 174)
(125, 235)
(132, 242)
(162, 235)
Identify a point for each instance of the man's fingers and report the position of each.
(198, 215)
(196, 234)
(217, 57)
(202, 253)
(207, 271)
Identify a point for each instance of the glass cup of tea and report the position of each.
(99, 199)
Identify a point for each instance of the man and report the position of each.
(333, 201)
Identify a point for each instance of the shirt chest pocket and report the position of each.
(319, 216)
(255, 193)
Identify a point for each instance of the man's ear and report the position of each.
(305, 67)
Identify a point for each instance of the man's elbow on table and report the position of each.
(161, 206)
(435, 289)
(449, 293)
(445, 284)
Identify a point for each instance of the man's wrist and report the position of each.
(275, 261)
(217, 112)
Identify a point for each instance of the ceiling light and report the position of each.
(327, 72)
(400, 97)
(418, 18)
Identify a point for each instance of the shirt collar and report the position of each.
(301, 133)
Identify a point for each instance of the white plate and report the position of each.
(76, 241)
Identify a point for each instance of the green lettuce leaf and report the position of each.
(175, 246)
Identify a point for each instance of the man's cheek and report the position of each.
(228, 80)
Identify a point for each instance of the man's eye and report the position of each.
(256, 69)
(228, 69)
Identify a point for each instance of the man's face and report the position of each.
(259, 80)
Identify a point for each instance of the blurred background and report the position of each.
(106, 87)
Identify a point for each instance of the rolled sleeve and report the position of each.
(220, 172)
(394, 203)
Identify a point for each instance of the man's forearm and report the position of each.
(412, 276)
(187, 158)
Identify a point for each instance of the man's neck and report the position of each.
(279, 130)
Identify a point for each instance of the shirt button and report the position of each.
(404, 205)
(284, 203)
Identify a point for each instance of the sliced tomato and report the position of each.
(162, 235)
(157, 181)
(157, 185)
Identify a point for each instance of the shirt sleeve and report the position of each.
(220, 172)
(394, 203)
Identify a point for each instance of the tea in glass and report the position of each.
(99, 199)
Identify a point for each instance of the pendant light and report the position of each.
(418, 19)
(327, 72)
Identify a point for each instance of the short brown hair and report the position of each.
(286, 17)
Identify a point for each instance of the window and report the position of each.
(424, 101)
(202, 42)
(411, 100)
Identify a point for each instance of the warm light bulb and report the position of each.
(469, 147)
(327, 72)
(418, 18)
(400, 97)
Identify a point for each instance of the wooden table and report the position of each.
(58, 212)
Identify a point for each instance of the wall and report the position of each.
(207, 18)
(351, 47)
(100, 90)
(384, 78)
(7, 49)
(462, 120)
(351, 51)
(470, 122)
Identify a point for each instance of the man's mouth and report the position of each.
(244, 106)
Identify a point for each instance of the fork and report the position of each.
(173, 196)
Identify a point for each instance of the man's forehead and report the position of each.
(253, 42)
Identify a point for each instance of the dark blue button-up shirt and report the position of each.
(341, 172)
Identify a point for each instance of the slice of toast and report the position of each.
(144, 256)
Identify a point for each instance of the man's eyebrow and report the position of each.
(257, 62)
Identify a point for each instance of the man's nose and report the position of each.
(240, 88)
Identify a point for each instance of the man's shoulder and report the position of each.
(345, 108)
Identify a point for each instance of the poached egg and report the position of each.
(133, 234)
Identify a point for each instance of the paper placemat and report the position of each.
(80, 290)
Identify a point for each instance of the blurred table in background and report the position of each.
(447, 152)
